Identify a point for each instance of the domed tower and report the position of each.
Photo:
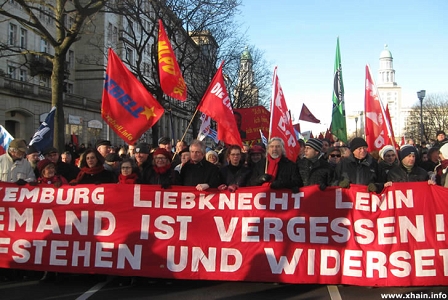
(389, 91)
(386, 72)
(246, 92)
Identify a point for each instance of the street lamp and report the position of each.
(356, 126)
(421, 94)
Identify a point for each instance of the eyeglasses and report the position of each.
(335, 155)
(159, 158)
(235, 154)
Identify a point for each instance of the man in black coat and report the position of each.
(407, 170)
(68, 171)
(280, 172)
(359, 168)
(312, 169)
(198, 171)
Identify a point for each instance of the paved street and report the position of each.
(89, 287)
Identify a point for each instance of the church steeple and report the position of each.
(246, 92)
(386, 72)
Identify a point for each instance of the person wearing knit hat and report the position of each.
(356, 143)
(388, 160)
(256, 154)
(316, 144)
(312, 169)
(359, 168)
(212, 157)
(441, 170)
(47, 171)
(407, 170)
(161, 172)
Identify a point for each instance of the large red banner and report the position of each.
(338, 236)
(254, 119)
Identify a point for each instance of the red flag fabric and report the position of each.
(171, 80)
(216, 104)
(297, 127)
(127, 106)
(321, 136)
(306, 115)
(403, 141)
(377, 127)
(329, 136)
(281, 124)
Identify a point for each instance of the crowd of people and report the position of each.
(320, 162)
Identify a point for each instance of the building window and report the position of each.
(130, 28)
(44, 81)
(23, 38)
(69, 88)
(43, 46)
(130, 56)
(22, 75)
(115, 35)
(71, 59)
(12, 34)
(12, 72)
(109, 32)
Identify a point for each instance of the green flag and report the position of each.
(338, 126)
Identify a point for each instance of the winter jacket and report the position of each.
(193, 174)
(401, 174)
(358, 171)
(11, 171)
(318, 172)
(238, 175)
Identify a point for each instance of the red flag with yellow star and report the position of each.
(127, 107)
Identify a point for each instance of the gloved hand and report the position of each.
(21, 182)
(165, 185)
(265, 177)
(57, 184)
(33, 183)
(322, 186)
(276, 184)
(295, 190)
(72, 183)
(372, 187)
(232, 188)
(345, 183)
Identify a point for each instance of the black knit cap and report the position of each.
(316, 144)
(405, 150)
(356, 143)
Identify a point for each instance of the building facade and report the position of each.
(25, 91)
(389, 91)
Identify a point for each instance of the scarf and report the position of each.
(90, 171)
(408, 168)
(273, 166)
(162, 170)
(50, 180)
(127, 179)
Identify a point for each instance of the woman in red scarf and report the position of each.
(161, 171)
(128, 173)
(92, 170)
(47, 174)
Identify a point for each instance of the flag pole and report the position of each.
(185, 133)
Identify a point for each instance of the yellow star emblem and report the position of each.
(149, 112)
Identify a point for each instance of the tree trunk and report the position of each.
(57, 90)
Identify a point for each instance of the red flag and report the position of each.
(216, 104)
(403, 141)
(321, 136)
(329, 136)
(281, 125)
(377, 127)
(127, 106)
(306, 115)
(297, 127)
(74, 139)
(171, 80)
